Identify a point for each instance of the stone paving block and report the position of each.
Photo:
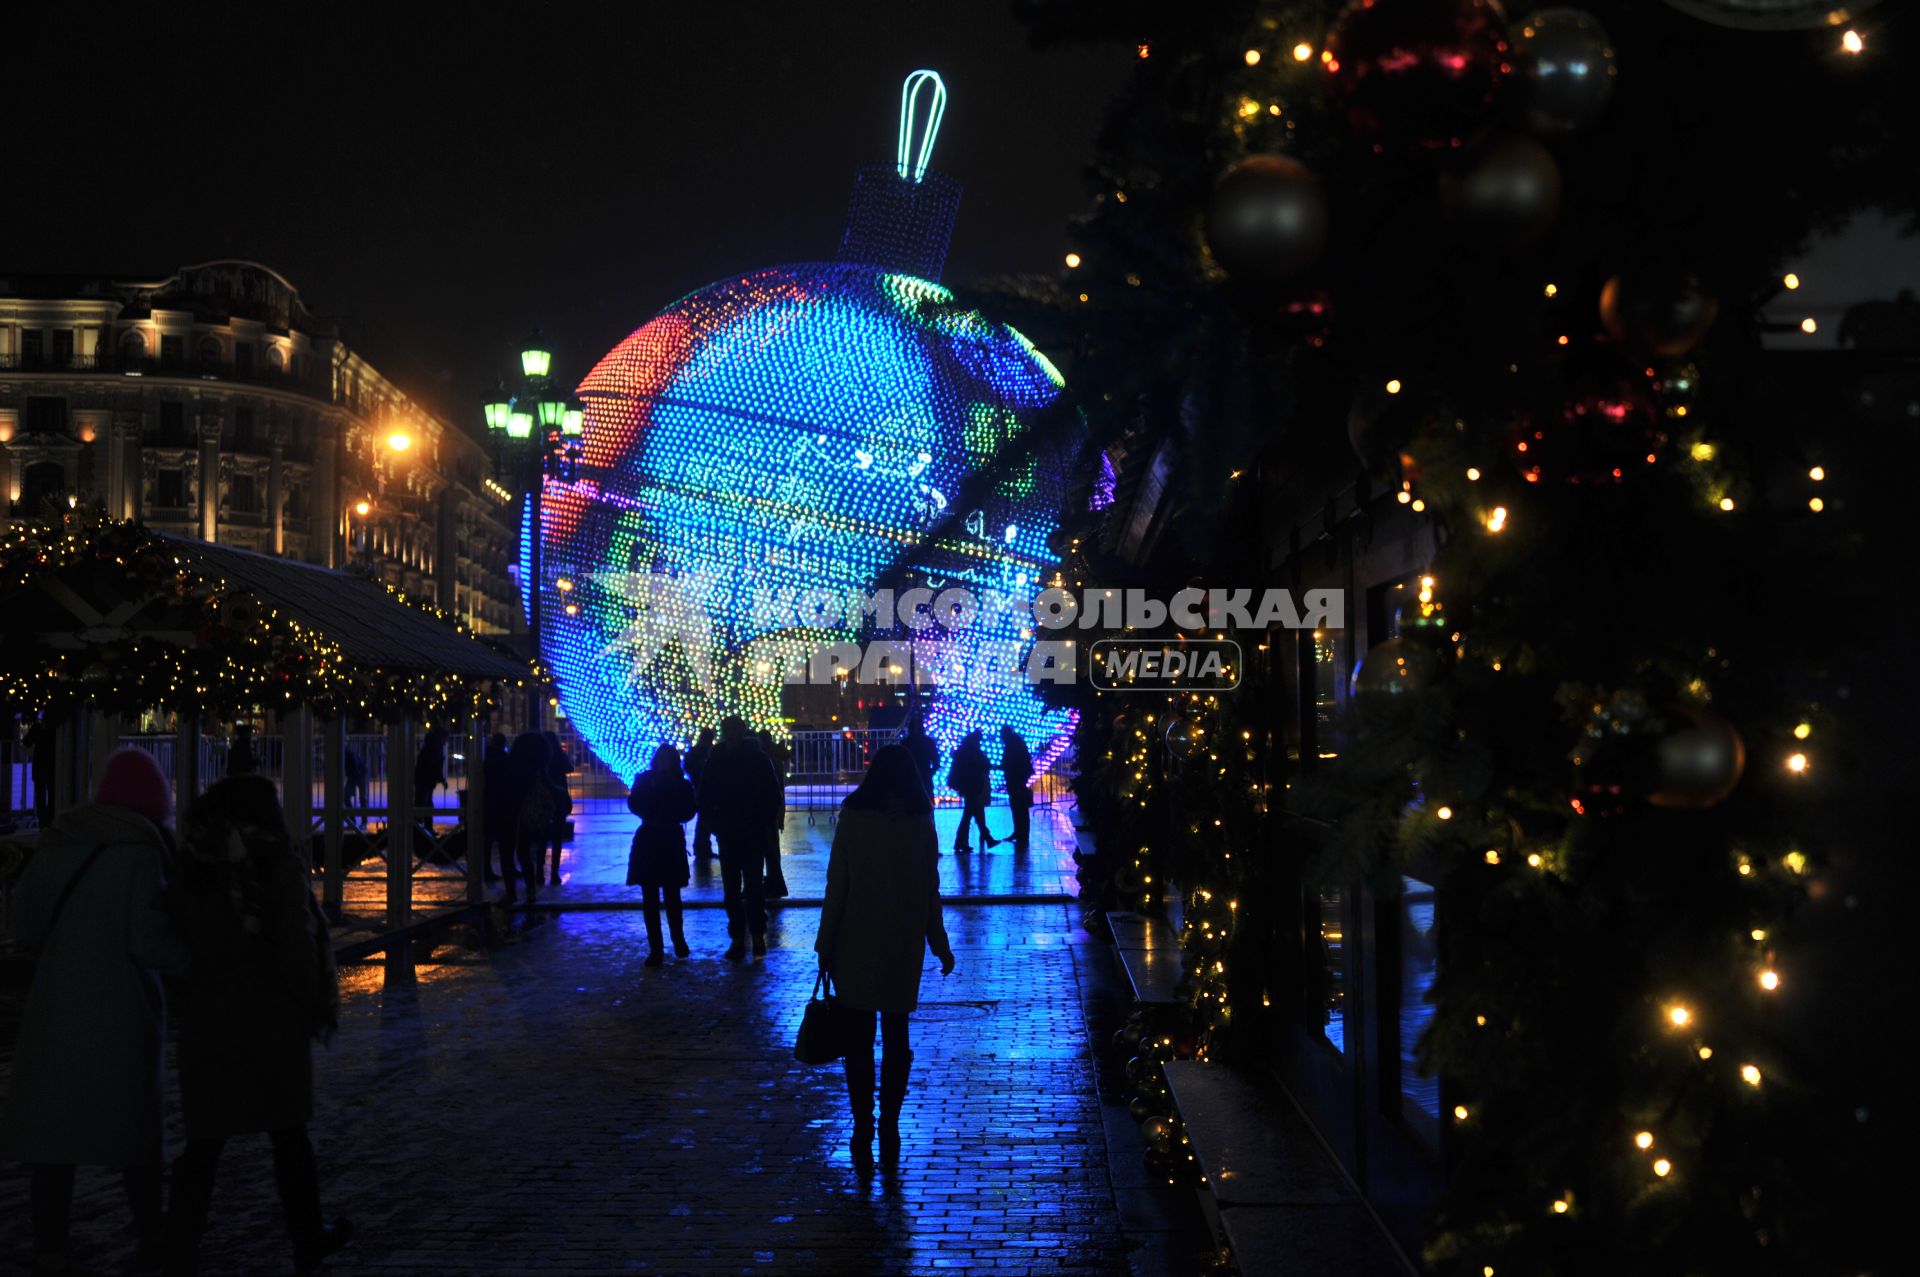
(552, 1106)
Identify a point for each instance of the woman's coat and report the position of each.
(87, 1082)
(253, 1002)
(664, 801)
(882, 911)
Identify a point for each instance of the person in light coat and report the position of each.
(880, 916)
(88, 1087)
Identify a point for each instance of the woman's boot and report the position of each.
(893, 1091)
(298, 1179)
(860, 1096)
(654, 954)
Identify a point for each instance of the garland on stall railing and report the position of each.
(222, 653)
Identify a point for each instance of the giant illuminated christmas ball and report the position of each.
(776, 443)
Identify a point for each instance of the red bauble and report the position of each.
(1606, 426)
(1417, 74)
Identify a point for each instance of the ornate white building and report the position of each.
(213, 403)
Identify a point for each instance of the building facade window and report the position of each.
(42, 484)
(173, 424)
(243, 495)
(46, 415)
(63, 347)
(170, 490)
(133, 346)
(33, 346)
(173, 350)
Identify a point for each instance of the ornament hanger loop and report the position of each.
(909, 168)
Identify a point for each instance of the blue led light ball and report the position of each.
(772, 444)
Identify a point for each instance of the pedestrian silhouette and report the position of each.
(971, 777)
(354, 770)
(664, 800)
(262, 988)
(559, 767)
(776, 878)
(499, 808)
(881, 913)
(242, 760)
(40, 739)
(740, 796)
(87, 1082)
(925, 750)
(1016, 767)
(696, 762)
(529, 796)
(430, 768)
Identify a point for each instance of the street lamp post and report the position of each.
(539, 434)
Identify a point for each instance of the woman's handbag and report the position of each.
(820, 1040)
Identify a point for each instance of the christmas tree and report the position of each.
(1508, 274)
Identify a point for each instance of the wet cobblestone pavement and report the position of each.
(551, 1106)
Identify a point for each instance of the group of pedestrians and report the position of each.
(971, 777)
(117, 908)
(528, 804)
(735, 791)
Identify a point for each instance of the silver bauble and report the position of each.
(1568, 65)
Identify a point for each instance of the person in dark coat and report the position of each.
(696, 762)
(354, 772)
(925, 750)
(559, 767)
(1016, 766)
(971, 777)
(242, 758)
(664, 800)
(741, 798)
(776, 878)
(40, 750)
(430, 768)
(499, 808)
(88, 1087)
(263, 987)
(529, 801)
(881, 914)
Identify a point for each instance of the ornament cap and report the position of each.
(901, 215)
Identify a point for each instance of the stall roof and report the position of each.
(372, 628)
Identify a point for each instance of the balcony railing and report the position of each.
(260, 374)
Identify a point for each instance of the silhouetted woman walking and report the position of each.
(882, 912)
(263, 988)
(663, 798)
(971, 777)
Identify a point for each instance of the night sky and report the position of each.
(448, 183)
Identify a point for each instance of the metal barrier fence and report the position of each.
(365, 766)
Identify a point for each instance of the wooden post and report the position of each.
(186, 761)
(296, 778)
(69, 742)
(103, 737)
(400, 847)
(476, 811)
(333, 819)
